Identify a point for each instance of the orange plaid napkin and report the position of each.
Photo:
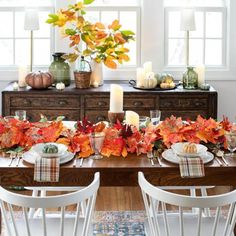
(191, 167)
(46, 169)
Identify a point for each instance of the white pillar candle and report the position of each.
(140, 77)
(132, 118)
(116, 98)
(200, 70)
(147, 67)
(22, 72)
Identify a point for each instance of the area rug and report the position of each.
(119, 223)
(116, 223)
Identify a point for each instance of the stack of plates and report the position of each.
(36, 150)
(176, 151)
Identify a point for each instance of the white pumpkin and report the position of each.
(150, 80)
(60, 86)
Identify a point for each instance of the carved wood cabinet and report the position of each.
(93, 103)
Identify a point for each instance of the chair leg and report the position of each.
(207, 212)
(32, 210)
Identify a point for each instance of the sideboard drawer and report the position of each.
(97, 102)
(34, 115)
(183, 103)
(138, 102)
(58, 102)
(96, 116)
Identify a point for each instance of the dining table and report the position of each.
(119, 171)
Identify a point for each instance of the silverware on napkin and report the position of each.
(81, 162)
(12, 156)
(158, 156)
(19, 157)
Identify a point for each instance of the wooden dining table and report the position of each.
(119, 171)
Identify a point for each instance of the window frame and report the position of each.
(224, 38)
(6, 68)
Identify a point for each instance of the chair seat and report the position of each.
(53, 226)
(190, 225)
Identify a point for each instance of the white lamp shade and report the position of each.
(188, 20)
(31, 19)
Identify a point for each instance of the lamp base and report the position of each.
(114, 116)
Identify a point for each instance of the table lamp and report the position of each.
(31, 23)
(187, 25)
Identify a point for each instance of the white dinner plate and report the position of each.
(170, 156)
(30, 157)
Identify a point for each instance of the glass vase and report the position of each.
(60, 69)
(190, 79)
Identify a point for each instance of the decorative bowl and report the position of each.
(39, 149)
(179, 147)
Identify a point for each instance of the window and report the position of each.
(128, 13)
(15, 41)
(207, 44)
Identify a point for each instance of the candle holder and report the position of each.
(114, 116)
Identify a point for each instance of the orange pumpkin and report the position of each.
(39, 79)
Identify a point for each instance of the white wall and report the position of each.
(152, 49)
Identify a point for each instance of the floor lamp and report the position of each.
(31, 24)
(187, 25)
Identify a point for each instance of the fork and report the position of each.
(12, 156)
(150, 157)
(19, 157)
(158, 157)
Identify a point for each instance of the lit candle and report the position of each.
(147, 67)
(200, 70)
(132, 118)
(22, 72)
(140, 77)
(15, 86)
(116, 98)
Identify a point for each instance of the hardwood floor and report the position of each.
(129, 198)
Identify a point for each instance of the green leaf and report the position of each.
(83, 12)
(70, 31)
(87, 2)
(87, 52)
(127, 32)
(52, 18)
(60, 118)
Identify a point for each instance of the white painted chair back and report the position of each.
(162, 222)
(47, 225)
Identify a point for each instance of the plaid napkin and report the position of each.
(46, 169)
(191, 167)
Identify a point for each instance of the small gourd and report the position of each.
(150, 80)
(60, 86)
(39, 79)
(50, 148)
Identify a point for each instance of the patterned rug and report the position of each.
(119, 223)
(116, 223)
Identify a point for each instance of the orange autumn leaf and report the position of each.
(75, 40)
(11, 137)
(110, 63)
(100, 127)
(99, 25)
(119, 38)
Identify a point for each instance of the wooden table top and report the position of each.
(119, 171)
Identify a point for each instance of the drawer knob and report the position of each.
(138, 104)
(62, 102)
(101, 118)
(101, 103)
(26, 102)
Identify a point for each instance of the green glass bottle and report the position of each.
(60, 69)
(190, 79)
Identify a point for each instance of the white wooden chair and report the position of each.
(161, 222)
(64, 224)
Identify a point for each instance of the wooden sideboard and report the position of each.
(93, 103)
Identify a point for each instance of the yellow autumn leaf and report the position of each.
(115, 25)
(79, 5)
(62, 19)
(99, 25)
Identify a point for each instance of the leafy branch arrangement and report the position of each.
(103, 44)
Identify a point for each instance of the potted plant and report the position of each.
(102, 44)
